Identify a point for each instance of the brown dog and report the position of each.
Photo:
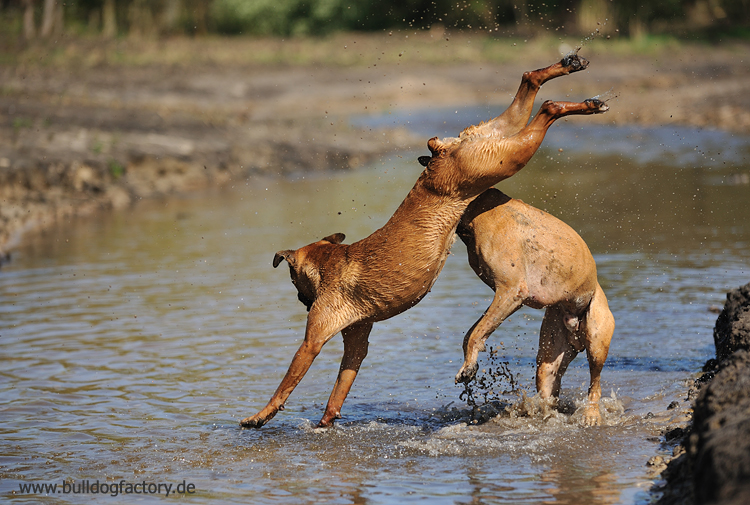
(529, 257)
(347, 288)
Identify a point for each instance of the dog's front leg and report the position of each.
(519, 148)
(299, 366)
(355, 350)
(503, 305)
(518, 113)
(487, 160)
(320, 329)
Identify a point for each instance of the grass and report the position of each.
(116, 169)
(20, 123)
(343, 49)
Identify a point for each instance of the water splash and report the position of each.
(487, 388)
(596, 33)
(568, 52)
(563, 411)
(608, 95)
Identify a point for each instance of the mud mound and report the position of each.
(719, 442)
(732, 331)
(714, 468)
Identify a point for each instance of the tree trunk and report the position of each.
(109, 19)
(48, 18)
(199, 11)
(140, 19)
(595, 16)
(58, 24)
(171, 16)
(29, 28)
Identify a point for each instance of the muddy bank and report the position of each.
(64, 160)
(80, 136)
(712, 460)
(51, 176)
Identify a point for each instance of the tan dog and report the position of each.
(347, 288)
(529, 257)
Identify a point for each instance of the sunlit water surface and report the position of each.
(132, 343)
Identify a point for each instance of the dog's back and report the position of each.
(508, 240)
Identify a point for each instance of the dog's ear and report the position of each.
(435, 146)
(283, 255)
(424, 160)
(336, 238)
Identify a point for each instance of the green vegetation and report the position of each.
(31, 19)
(116, 168)
(341, 49)
(87, 33)
(19, 123)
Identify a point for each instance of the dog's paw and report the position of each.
(596, 105)
(591, 415)
(467, 373)
(325, 423)
(329, 417)
(574, 63)
(253, 422)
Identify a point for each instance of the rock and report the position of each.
(655, 461)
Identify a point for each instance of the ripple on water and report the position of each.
(133, 350)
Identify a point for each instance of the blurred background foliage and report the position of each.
(34, 19)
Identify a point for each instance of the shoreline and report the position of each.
(36, 193)
(79, 141)
(82, 137)
(710, 462)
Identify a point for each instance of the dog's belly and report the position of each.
(573, 299)
(402, 290)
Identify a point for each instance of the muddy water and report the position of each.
(131, 344)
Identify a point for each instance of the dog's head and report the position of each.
(438, 148)
(305, 266)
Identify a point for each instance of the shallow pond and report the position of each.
(132, 343)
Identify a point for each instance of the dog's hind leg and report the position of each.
(597, 327)
(320, 329)
(355, 350)
(503, 305)
(555, 353)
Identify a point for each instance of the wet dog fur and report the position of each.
(347, 288)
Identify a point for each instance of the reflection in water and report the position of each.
(569, 484)
(132, 343)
